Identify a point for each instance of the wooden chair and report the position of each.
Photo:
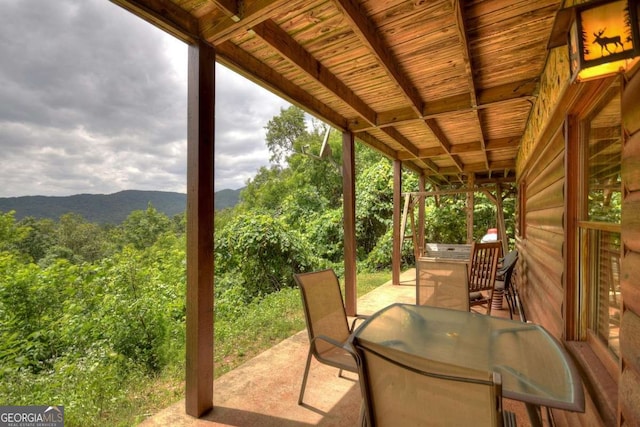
(409, 391)
(327, 323)
(482, 273)
(442, 284)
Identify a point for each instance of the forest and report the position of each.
(92, 316)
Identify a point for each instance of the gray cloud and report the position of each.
(93, 100)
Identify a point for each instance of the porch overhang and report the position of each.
(444, 88)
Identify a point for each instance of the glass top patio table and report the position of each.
(535, 368)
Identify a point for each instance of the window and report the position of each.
(599, 224)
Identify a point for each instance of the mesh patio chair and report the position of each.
(443, 284)
(482, 273)
(503, 281)
(327, 323)
(404, 390)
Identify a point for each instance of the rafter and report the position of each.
(500, 95)
(218, 28)
(287, 46)
(370, 36)
(238, 60)
(165, 15)
(466, 58)
(397, 136)
(444, 142)
(231, 8)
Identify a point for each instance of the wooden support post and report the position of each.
(200, 149)
(396, 253)
(349, 222)
(470, 206)
(502, 228)
(421, 215)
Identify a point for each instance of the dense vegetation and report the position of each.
(92, 317)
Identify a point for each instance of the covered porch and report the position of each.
(252, 395)
(469, 95)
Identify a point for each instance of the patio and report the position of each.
(264, 391)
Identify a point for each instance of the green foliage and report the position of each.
(142, 228)
(263, 252)
(91, 316)
(11, 234)
(283, 132)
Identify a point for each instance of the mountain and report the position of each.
(107, 208)
(226, 198)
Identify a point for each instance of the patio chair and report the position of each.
(443, 284)
(327, 323)
(503, 281)
(482, 273)
(410, 391)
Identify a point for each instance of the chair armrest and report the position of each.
(331, 341)
(358, 317)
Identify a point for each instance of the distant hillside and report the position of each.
(106, 208)
(226, 198)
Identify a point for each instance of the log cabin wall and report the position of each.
(546, 285)
(629, 384)
(541, 173)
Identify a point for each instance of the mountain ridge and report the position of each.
(107, 208)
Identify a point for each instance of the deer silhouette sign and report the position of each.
(604, 42)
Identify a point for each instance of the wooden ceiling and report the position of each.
(446, 86)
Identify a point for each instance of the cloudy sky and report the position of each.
(93, 100)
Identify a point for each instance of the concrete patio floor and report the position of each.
(264, 391)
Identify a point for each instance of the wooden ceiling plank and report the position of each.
(287, 46)
(166, 15)
(369, 35)
(240, 61)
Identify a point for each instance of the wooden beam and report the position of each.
(238, 60)
(466, 58)
(470, 206)
(444, 142)
(404, 142)
(421, 214)
(349, 221)
(289, 48)
(396, 251)
(165, 15)
(219, 28)
(200, 209)
(231, 8)
(375, 143)
(370, 36)
(509, 93)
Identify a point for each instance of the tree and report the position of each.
(284, 132)
(77, 240)
(263, 252)
(11, 233)
(142, 228)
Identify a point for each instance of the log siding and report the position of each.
(629, 385)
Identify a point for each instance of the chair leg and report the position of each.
(508, 297)
(304, 378)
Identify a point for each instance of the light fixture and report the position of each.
(602, 35)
